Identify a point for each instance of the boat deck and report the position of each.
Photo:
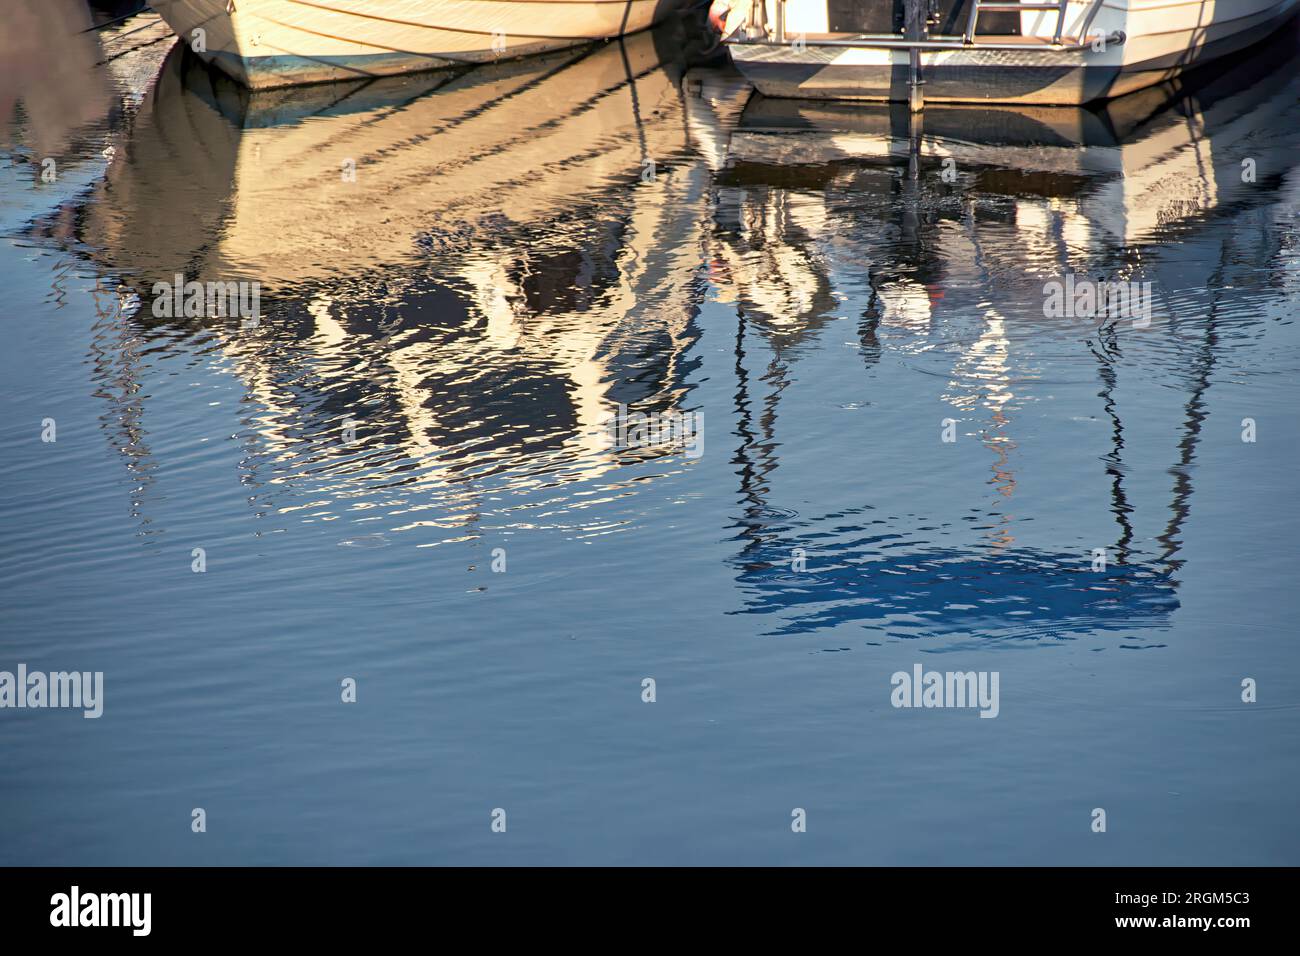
(955, 41)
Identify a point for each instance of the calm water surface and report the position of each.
(524, 249)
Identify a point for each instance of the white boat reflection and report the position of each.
(523, 236)
(1144, 162)
(831, 218)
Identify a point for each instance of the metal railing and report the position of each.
(967, 41)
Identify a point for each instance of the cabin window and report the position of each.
(886, 16)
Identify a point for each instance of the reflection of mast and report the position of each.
(753, 469)
(1180, 506)
(1109, 345)
(1107, 351)
(116, 370)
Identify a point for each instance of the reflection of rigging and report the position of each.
(1196, 413)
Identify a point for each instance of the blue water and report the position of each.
(823, 314)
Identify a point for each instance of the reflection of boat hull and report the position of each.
(491, 238)
(1135, 165)
(274, 43)
(524, 140)
(1157, 42)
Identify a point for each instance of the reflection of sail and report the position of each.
(517, 256)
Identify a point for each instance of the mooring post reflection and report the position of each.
(389, 445)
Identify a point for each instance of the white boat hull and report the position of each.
(275, 43)
(1162, 38)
